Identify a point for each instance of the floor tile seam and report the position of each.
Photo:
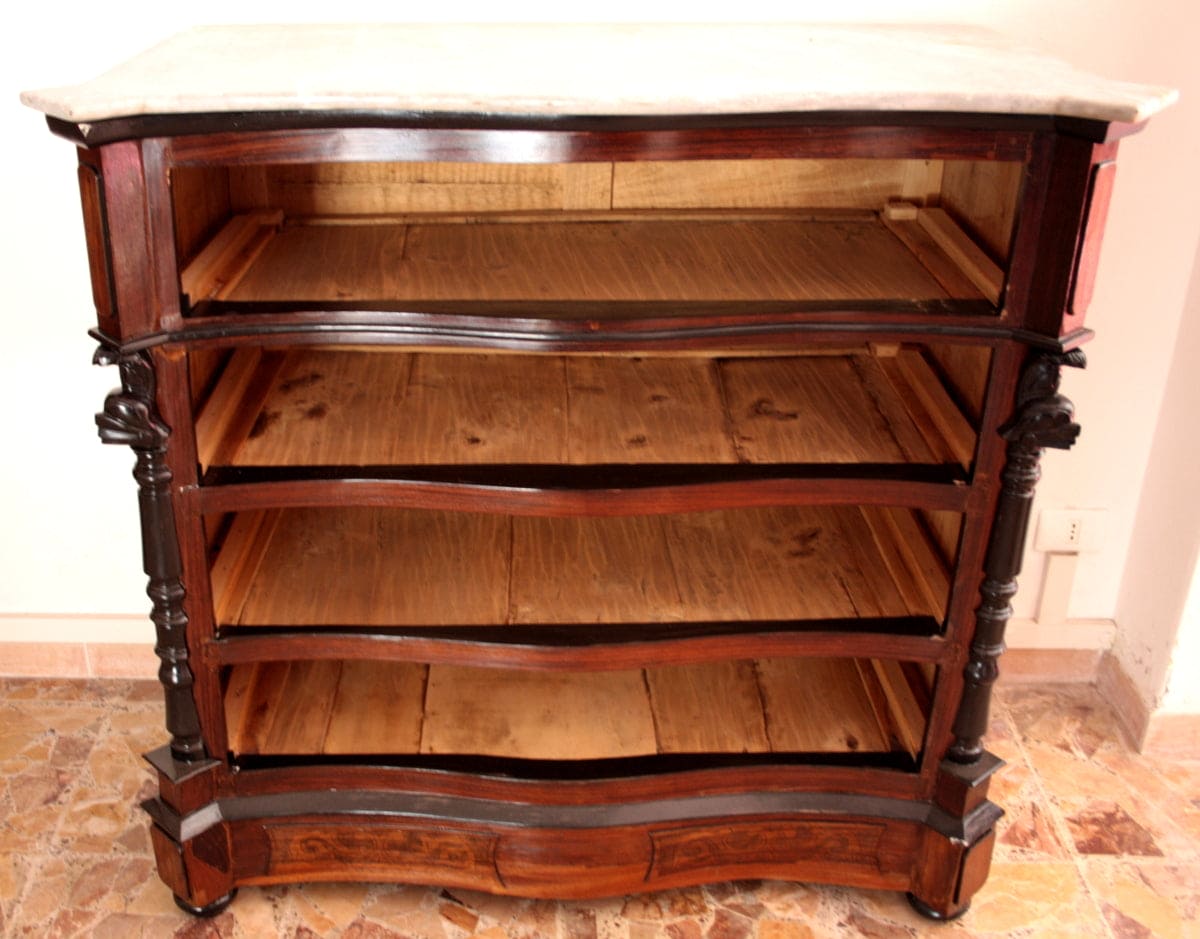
(1044, 797)
(1059, 822)
(35, 870)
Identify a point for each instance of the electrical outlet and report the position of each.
(1070, 530)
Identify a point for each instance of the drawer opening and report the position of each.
(656, 718)
(379, 567)
(924, 234)
(905, 406)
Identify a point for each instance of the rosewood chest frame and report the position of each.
(250, 794)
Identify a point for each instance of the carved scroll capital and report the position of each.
(130, 416)
(1043, 417)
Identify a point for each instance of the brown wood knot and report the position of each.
(637, 441)
(263, 423)
(765, 407)
(300, 381)
(804, 543)
(316, 412)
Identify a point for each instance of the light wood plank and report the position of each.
(814, 409)
(236, 410)
(769, 705)
(374, 567)
(866, 184)
(864, 574)
(982, 194)
(377, 708)
(264, 707)
(586, 185)
(249, 188)
(636, 260)
(780, 563)
(711, 708)
(334, 406)
(343, 407)
(592, 570)
(219, 266)
(202, 202)
(929, 252)
(327, 262)
(907, 717)
(631, 410)
(302, 707)
(893, 403)
(537, 715)
(945, 529)
(398, 188)
(239, 701)
(970, 258)
(967, 369)
(930, 406)
(400, 567)
(486, 409)
(235, 570)
(914, 564)
(818, 705)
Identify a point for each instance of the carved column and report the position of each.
(130, 417)
(1042, 418)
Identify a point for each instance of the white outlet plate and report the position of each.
(1070, 530)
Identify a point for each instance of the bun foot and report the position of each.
(209, 909)
(930, 913)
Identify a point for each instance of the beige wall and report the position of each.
(70, 546)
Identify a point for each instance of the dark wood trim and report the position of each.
(374, 144)
(124, 197)
(891, 783)
(420, 331)
(617, 314)
(584, 490)
(454, 809)
(1043, 418)
(1098, 131)
(97, 133)
(964, 591)
(99, 240)
(591, 770)
(1053, 212)
(160, 219)
(130, 417)
(613, 646)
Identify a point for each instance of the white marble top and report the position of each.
(595, 70)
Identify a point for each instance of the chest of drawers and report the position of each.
(569, 488)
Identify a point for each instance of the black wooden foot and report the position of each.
(211, 909)
(930, 913)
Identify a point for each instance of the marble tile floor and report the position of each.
(1098, 841)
